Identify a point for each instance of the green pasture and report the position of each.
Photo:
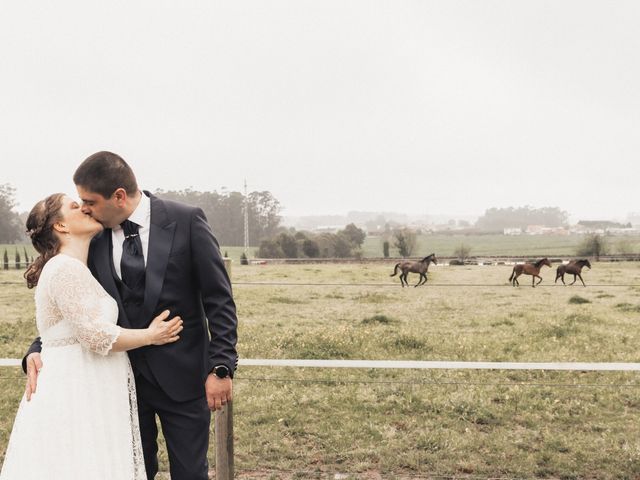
(312, 423)
(517, 245)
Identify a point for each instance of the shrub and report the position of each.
(382, 319)
(592, 245)
(385, 249)
(405, 241)
(577, 299)
(462, 252)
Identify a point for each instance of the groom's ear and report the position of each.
(120, 196)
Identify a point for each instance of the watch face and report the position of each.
(221, 371)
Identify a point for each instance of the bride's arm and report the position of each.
(160, 331)
(79, 302)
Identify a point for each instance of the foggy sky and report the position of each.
(420, 107)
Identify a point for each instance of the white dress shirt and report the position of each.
(141, 216)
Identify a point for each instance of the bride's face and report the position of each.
(74, 221)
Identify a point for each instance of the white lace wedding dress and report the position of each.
(82, 422)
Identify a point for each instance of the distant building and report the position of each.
(534, 229)
(513, 231)
(328, 228)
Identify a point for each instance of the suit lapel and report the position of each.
(101, 257)
(161, 233)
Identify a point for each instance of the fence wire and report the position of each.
(395, 285)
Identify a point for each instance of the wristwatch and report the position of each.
(221, 371)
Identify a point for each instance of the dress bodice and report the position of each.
(72, 307)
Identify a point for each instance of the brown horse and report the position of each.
(574, 267)
(420, 267)
(528, 269)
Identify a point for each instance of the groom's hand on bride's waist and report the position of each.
(219, 391)
(34, 365)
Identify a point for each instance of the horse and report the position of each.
(528, 269)
(420, 267)
(574, 267)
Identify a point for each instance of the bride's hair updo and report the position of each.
(40, 228)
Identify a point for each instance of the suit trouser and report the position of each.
(185, 426)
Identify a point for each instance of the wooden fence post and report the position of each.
(223, 426)
(224, 442)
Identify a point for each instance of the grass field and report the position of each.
(307, 423)
(533, 245)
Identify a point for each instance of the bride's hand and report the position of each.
(163, 331)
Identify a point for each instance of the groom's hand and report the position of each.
(219, 391)
(34, 364)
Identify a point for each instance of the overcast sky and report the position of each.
(419, 107)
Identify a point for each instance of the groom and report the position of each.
(176, 265)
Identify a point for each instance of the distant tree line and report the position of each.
(11, 226)
(497, 219)
(225, 213)
(603, 224)
(299, 244)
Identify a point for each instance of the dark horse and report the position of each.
(574, 267)
(420, 267)
(528, 269)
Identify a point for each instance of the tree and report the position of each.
(270, 249)
(592, 245)
(5, 260)
(342, 246)
(225, 213)
(385, 249)
(355, 235)
(264, 215)
(11, 229)
(288, 245)
(17, 260)
(310, 248)
(405, 241)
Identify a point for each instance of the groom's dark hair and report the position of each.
(104, 173)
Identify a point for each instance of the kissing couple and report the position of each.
(122, 270)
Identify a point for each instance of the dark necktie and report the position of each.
(132, 263)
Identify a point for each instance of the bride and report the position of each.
(83, 420)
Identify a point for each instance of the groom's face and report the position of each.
(107, 211)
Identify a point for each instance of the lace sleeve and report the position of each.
(73, 290)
